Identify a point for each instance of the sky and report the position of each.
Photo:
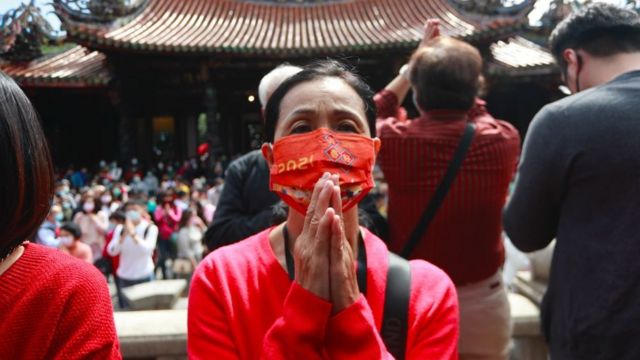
(45, 6)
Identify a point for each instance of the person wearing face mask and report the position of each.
(315, 286)
(93, 222)
(70, 243)
(578, 182)
(134, 241)
(105, 202)
(47, 233)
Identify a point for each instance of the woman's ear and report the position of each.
(376, 145)
(267, 153)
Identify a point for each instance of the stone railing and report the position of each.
(162, 334)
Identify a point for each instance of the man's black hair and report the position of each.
(599, 29)
(73, 229)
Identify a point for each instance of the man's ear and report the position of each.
(570, 56)
(267, 153)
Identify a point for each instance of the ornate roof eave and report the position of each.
(77, 67)
(182, 33)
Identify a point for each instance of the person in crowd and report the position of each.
(214, 192)
(292, 289)
(578, 183)
(167, 216)
(138, 186)
(116, 218)
(151, 182)
(93, 222)
(115, 172)
(190, 249)
(70, 235)
(245, 202)
(48, 231)
(80, 178)
(117, 198)
(246, 205)
(53, 306)
(464, 237)
(105, 202)
(134, 241)
(182, 199)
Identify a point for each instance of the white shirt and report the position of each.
(136, 260)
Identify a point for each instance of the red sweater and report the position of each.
(242, 305)
(465, 237)
(54, 306)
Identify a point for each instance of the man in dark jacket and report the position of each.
(579, 182)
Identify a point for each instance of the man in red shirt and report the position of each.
(464, 237)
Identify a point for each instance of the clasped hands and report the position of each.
(324, 258)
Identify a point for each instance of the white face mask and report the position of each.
(106, 199)
(133, 215)
(66, 240)
(88, 207)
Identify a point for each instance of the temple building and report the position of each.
(155, 78)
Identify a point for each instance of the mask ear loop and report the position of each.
(578, 72)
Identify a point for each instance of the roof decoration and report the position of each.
(99, 11)
(264, 28)
(23, 32)
(76, 67)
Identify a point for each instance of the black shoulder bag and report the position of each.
(441, 190)
(395, 318)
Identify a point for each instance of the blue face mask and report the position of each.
(133, 215)
(59, 217)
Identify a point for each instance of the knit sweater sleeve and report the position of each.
(433, 322)
(300, 329)
(86, 328)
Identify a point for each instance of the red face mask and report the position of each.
(300, 160)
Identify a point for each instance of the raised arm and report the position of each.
(388, 100)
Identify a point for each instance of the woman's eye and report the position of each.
(300, 129)
(348, 126)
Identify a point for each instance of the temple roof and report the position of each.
(276, 28)
(519, 55)
(76, 67)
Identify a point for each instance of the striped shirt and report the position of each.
(465, 236)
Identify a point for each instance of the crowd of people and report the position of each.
(95, 216)
(302, 251)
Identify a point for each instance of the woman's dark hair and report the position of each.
(26, 187)
(118, 215)
(314, 71)
(599, 29)
(186, 215)
(91, 199)
(72, 228)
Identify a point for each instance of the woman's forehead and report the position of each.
(328, 91)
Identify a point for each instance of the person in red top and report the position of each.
(465, 236)
(290, 292)
(52, 306)
(167, 216)
(70, 243)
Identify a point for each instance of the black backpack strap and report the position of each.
(395, 319)
(441, 190)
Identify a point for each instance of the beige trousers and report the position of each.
(485, 320)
